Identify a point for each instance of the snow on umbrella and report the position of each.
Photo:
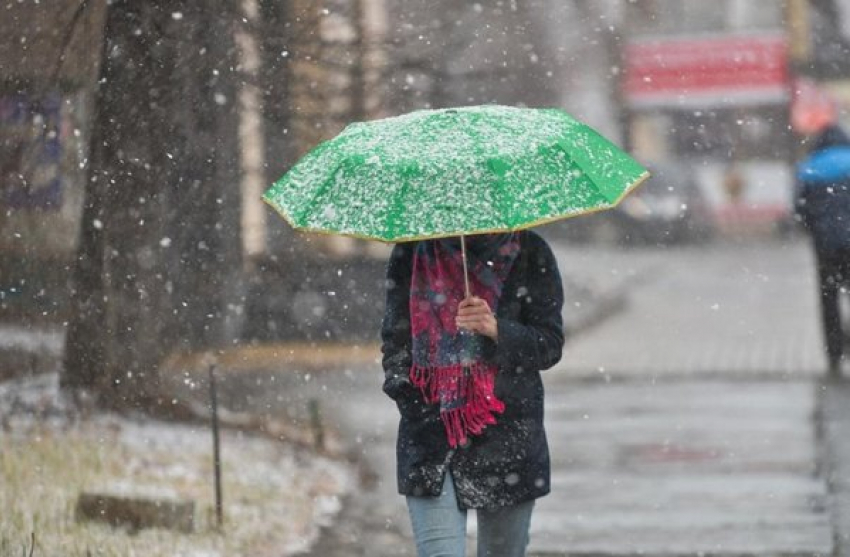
(454, 172)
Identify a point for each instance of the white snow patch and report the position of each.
(32, 340)
(274, 492)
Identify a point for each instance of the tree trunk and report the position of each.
(158, 246)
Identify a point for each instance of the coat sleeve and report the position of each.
(395, 329)
(536, 339)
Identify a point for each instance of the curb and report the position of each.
(302, 356)
(605, 307)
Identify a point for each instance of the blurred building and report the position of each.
(48, 60)
(49, 54)
(711, 84)
(819, 40)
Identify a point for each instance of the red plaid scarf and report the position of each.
(448, 364)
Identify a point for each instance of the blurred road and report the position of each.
(694, 421)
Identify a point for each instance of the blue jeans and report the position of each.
(439, 526)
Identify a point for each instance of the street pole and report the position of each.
(216, 449)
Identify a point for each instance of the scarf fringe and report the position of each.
(472, 385)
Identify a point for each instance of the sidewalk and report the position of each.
(835, 430)
(702, 419)
(688, 467)
(738, 310)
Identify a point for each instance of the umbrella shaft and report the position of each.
(465, 265)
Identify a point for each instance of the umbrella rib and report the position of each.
(499, 181)
(317, 193)
(588, 167)
(500, 196)
(393, 214)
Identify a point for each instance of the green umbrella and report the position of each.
(454, 172)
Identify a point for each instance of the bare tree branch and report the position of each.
(70, 30)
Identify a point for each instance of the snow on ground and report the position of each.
(276, 497)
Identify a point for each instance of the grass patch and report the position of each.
(275, 496)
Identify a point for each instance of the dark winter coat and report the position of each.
(509, 462)
(823, 194)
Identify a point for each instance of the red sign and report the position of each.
(707, 71)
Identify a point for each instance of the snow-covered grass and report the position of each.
(276, 497)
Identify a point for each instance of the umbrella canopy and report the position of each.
(449, 172)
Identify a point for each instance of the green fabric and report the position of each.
(445, 172)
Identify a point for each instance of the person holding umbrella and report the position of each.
(464, 370)
(473, 301)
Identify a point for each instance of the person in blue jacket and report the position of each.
(823, 206)
(464, 372)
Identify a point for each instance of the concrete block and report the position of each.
(137, 512)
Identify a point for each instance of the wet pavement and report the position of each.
(691, 421)
(683, 467)
(835, 432)
(731, 309)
